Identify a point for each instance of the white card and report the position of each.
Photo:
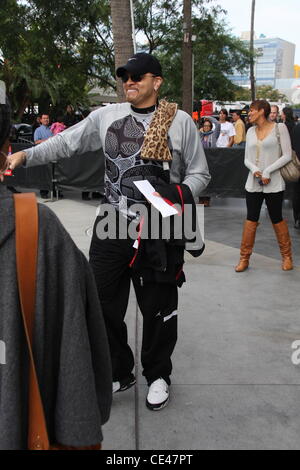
(147, 190)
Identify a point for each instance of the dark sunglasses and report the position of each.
(135, 77)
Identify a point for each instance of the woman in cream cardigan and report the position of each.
(268, 148)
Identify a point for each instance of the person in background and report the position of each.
(274, 113)
(296, 186)
(240, 130)
(227, 131)
(264, 157)
(43, 132)
(287, 116)
(36, 123)
(210, 131)
(209, 134)
(70, 117)
(58, 126)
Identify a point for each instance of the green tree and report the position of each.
(242, 94)
(217, 53)
(51, 54)
(267, 92)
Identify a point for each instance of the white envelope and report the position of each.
(147, 190)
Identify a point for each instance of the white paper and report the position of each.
(147, 190)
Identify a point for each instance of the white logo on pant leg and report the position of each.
(2, 353)
(173, 314)
(296, 354)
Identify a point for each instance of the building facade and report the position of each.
(290, 87)
(274, 61)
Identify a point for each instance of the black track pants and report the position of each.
(158, 303)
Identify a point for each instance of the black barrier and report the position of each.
(228, 172)
(38, 177)
(86, 173)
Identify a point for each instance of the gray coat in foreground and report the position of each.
(70, 343)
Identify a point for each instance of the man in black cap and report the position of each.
(141, 140)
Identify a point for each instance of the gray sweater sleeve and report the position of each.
(81, 138)
(197, 174)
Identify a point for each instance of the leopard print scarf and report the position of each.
(155, 145)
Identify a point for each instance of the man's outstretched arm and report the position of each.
(78, 139)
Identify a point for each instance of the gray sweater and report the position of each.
(114, 129)
(70, 342)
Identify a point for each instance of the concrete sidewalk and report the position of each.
(234, 385)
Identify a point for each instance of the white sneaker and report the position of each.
(158, 395)
(124, 384)
(116, 387)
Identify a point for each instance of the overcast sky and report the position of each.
(273, 18)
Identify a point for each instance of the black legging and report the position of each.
(274, 204)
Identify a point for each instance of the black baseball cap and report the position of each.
(140, 64)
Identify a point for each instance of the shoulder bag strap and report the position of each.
(26, 213)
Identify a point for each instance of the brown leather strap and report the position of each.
(26, 255)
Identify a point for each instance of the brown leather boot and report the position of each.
(247, 243)
(285, 245)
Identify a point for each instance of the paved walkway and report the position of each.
(234, 385)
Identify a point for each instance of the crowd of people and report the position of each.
(233, 127)
(142, 139)
(230, 132)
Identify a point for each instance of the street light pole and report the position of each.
(133, 27)
(187, 72)
(252, 77)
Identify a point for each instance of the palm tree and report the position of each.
(122, 27)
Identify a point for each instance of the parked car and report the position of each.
(22, 132)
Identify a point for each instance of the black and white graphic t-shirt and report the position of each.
(123, 142)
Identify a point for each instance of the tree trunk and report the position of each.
(23, 105)
(122, 27)
(187, 59)
(252, 77)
